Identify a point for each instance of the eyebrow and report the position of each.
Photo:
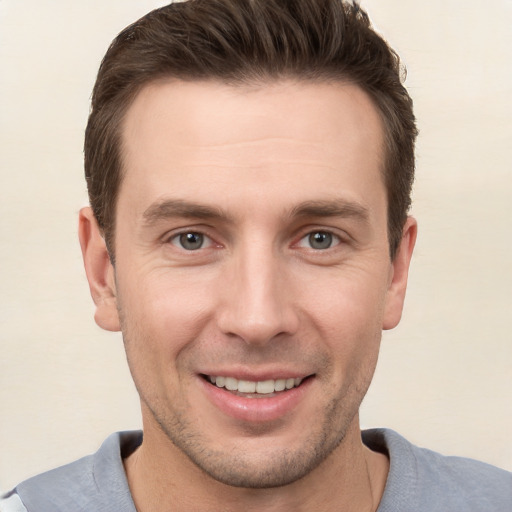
(331, 208)
(172, 208)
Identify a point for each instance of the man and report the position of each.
(249, 167)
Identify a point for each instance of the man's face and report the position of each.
(252, 254)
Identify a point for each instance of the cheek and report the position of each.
(346, 302)
(161, 316)
(160, 322)
(348, 316)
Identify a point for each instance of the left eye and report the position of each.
(191, 241)
(319, 240)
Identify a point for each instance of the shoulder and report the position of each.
(95, 482)
(421, 480)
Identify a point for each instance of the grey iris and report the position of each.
(191, 241)
(320, 240)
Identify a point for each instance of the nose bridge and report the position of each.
(257, 304)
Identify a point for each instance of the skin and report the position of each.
(254, 171)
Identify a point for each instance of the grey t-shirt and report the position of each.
(419, 480)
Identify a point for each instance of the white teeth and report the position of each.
(246, 386)
(263, 387)
(280, 385)
(231, 384)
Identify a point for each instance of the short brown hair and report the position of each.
(243, 41)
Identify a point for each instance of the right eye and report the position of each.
(191, 241)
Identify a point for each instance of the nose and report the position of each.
(258, 298)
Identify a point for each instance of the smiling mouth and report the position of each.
(254, 389)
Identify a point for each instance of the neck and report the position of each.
(162, 478)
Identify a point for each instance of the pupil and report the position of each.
(191, 241)
(320, 240)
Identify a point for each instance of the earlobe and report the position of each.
(99, 270)
(400, 270)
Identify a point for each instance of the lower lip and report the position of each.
(256, 410)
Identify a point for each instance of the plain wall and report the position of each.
(444, 378)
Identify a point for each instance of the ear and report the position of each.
(400, 270)
(99, 270)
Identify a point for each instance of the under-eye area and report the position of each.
(255, 389)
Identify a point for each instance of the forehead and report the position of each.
(194, 137)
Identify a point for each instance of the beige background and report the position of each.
(445, 375)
